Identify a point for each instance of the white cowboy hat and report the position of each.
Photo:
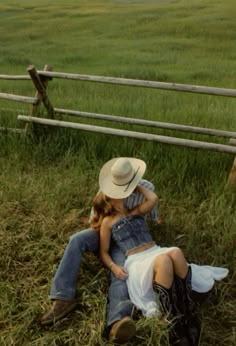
(119, 177)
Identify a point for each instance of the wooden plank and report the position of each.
(132, 134)
(41, 90)
(144, 83)
(158, 124)
(18, 98)
(135, 82)
(14, 77)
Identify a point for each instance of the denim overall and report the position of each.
(131, 232)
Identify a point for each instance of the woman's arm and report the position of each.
(105, 239)
(148, 203)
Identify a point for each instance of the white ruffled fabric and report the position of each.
(139, 282)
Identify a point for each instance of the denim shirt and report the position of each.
(131, 232)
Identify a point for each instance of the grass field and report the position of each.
(47, 185)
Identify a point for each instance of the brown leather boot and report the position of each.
(59, 309)
(122, 331)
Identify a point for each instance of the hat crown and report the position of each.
(120, 176)
(122, 171)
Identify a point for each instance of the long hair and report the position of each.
(101, 208)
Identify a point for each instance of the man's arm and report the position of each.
(150, 199)
(136, 198)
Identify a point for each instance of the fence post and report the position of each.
(35, 107)
(232, 175)
(40, 86)
(44, 81)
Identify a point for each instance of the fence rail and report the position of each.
(18, 98)
(144, 83)
(149, 123)
(40, 80)
(131, 82)
(14, 77)
(132, 134)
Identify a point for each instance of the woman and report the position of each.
(149, 269)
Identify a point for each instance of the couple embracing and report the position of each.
(156, 280)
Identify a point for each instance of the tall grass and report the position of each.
(47, 184)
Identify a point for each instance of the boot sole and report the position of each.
(125, 331)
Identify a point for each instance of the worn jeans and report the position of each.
(64, 283)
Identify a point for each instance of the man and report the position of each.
(120, 325)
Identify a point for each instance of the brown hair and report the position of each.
(101, 208)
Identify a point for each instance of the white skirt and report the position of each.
(140, 269)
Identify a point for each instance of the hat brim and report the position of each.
(114, 191)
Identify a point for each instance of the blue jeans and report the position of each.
(65, 280)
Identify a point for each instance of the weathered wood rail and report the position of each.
(40, 80)
(131, 82)
(18, 98)
(148, 123)
(132, 134)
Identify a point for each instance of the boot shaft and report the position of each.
(165, 298)
(184, 299)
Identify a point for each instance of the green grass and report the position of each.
(47, 184)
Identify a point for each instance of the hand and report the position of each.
(119, 272)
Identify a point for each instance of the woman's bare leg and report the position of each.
(179, 262)
(163, 270)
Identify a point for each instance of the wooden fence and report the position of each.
(40, 80)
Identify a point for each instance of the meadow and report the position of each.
(47, 183)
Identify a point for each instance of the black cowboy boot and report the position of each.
(186, 307)
(166, 299)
